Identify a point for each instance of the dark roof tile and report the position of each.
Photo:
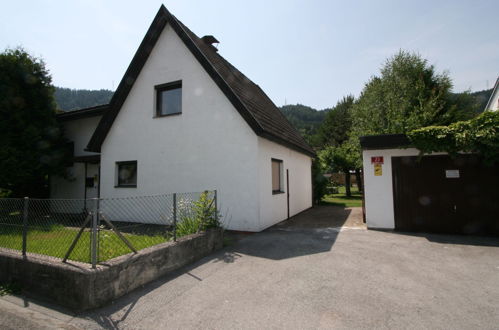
(265, 112)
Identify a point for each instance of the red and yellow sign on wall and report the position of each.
(378, 165)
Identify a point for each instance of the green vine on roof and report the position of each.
(479, 135)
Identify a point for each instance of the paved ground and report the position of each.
(326, 217)
(309, 273)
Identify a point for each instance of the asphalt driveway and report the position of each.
(312, 272)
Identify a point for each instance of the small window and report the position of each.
(169, 99)
(277, 186)
(126, 173)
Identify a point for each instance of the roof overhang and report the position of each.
(287, 144)
(94, 159)
(83, 113)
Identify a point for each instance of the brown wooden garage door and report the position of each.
(441, 194)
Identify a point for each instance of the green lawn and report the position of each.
(55, 240)
(341, 199)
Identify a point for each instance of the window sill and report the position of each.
(168, 115)
(277, 192)
(127, 186)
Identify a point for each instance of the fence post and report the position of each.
(174, 217)
(93, 239)
(25, 225)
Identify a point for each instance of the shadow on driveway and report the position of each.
(312, 231)
(303, 275)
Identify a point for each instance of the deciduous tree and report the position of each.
(335, 128)
(407, 95)
(343, 158)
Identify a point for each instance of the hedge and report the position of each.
(478, 135)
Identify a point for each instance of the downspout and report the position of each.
(98, 181)
(85, 188)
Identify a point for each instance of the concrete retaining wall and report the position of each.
(79, 287)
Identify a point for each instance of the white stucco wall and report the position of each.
(73, 189)
(79, 131)
(378, 190)
(273, 207)
(208, 146)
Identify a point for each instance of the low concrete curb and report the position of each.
(79, 287)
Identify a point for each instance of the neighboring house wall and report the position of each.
(378, 190)
(79, 131)
(208, 146)
(69, 189)
(493, 104)
(273, 207)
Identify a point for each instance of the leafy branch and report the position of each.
(480, 135)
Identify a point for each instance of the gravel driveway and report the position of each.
(310, 273)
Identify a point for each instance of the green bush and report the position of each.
(202, 216)
(319, 182)
(480, 135)
(4, 193)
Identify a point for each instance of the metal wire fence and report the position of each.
(97, 230)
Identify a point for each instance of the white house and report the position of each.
(493, 103)
(78, 127)
(184, 119)
(432, 193)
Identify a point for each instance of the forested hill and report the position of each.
(482, 97)
(305, 119)
(73, 99)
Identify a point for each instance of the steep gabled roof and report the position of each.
(251, 102)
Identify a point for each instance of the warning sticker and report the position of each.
(378, 169)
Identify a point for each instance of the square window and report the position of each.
(169, 99)
(126, 174)
(277, 176)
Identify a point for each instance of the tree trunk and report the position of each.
(358, 177)
(347, 184)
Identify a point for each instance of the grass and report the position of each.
(55, 240)
(340, 199)
(53, 234)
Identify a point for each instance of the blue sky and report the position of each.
(309, 52)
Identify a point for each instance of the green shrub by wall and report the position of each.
(480, 135)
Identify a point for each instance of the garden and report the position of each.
(53, 228)
(338, 197)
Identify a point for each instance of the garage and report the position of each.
(440, 194)
(435, 193)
